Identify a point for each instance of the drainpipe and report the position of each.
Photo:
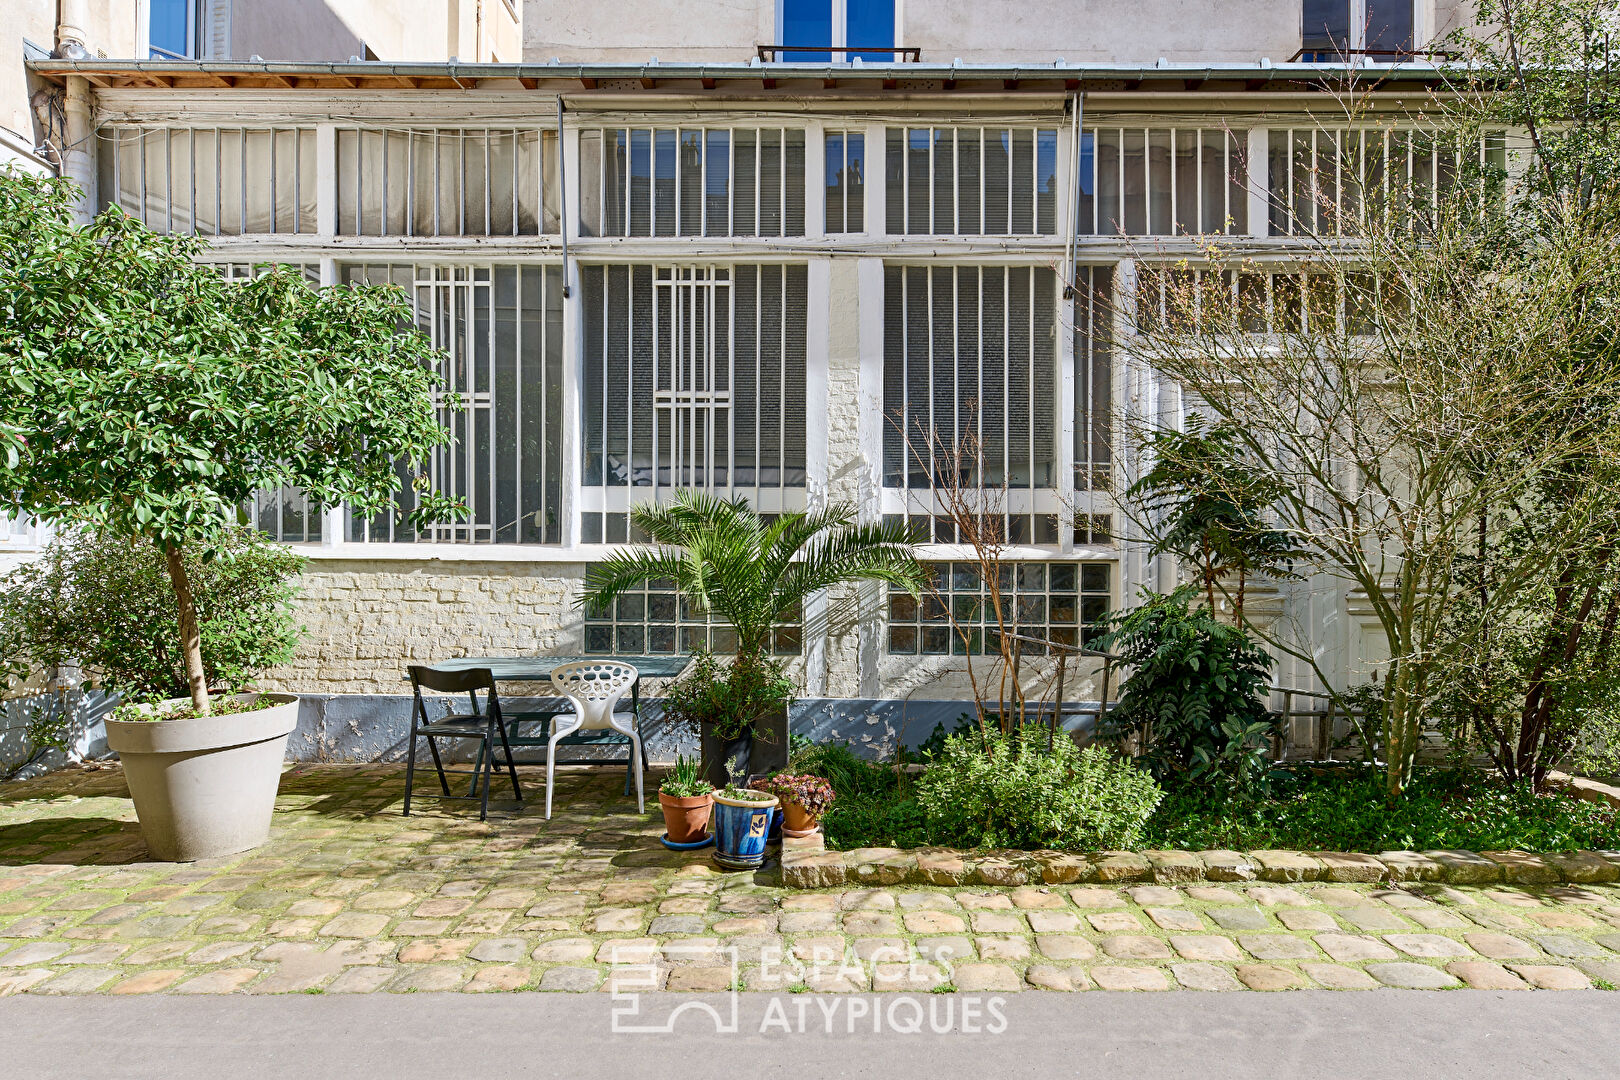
(72, 39)
(78, 148)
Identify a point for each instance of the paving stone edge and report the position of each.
(807, 864)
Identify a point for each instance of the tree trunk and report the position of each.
(190, 634)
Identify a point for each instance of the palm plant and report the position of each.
(724, 558)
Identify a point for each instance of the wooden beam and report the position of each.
(1254, 84)
(891, 84)
(708, 84)
(1009, 84)
(529, 84)
(279, 80)
(1071, 85)
(1192, 84)
(949, 84)
(769, 84)
(648, 83)
(829, 84)
(589, 84)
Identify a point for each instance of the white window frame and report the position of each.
(840, 28)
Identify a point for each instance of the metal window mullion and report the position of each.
(490, 408)
(703, 181)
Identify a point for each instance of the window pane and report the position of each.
(870, 25)
(807, 23)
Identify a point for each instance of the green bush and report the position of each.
(733, 697)
(1343, 808)
(1009, 791)
(1198, 688)
(107, 604)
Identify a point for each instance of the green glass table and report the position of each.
(531, 669)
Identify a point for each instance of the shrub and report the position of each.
(107, 604)
(1198, 690)
(1009, 791)
(685, 780)
(731, 697)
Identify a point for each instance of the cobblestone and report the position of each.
(348, 896)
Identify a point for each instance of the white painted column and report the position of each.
(326, 202)
(815, 179)
(334, 519)
(873, 186)
(1259, 153)
(573, 345)
(869, 420)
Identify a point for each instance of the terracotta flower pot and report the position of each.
(797, 821)
(686, 821)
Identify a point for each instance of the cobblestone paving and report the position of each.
(350, 897)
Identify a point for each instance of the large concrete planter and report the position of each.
(206, 786)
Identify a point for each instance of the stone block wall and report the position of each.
(366, 620)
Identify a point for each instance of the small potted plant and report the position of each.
(687, 799)
(742, 824)
(804, 799)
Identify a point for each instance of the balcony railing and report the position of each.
(774, 53)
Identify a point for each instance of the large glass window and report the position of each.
(692, 182)
(1062, 602)
(695, 377)
(846, 182)
(972, 180)
(969, 367)
(211, 181)
(498, 330)
(172, 29)
(1093, 378)
(447, 182)
(653, 619)
(813, 29)
(1382, 29)
(1326, 181)
(1162, 182)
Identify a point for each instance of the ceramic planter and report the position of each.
(797, 821)
(740, 831)
(206, 786)
(686, 820)
(761, 750)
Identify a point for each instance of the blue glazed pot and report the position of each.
(740, 831)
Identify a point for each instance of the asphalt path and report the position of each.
(1386, 1033)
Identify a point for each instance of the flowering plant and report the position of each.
(811, 792)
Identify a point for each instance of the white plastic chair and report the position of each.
(594, 687)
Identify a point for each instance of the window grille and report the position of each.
(1162, 182)
(1014, 528)
(972, 181)
(652, 619)
(447, 182)
(211, 181)
(846, 182)
(1093, 378)
(969, 361)
(1062, 602)
(498, 330)
(1296, 301)
(1325, 181)
(692, 182)
(695, 377)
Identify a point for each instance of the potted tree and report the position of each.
(148, 399)
(804, 799)
(686, 799)
(755, 575)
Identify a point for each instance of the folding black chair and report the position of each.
(484, 727)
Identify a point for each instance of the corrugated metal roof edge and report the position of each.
(1414, 70)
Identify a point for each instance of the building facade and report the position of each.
(775, 249)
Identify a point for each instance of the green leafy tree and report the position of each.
(1197, 693)
(147, 398)
(1204, 502)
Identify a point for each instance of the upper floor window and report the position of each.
(1381, 29)
(187, 29)
(692, 182)
(812, 29)
(972, 181)
(1162, 182)
(447, 182)
(211, 181)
